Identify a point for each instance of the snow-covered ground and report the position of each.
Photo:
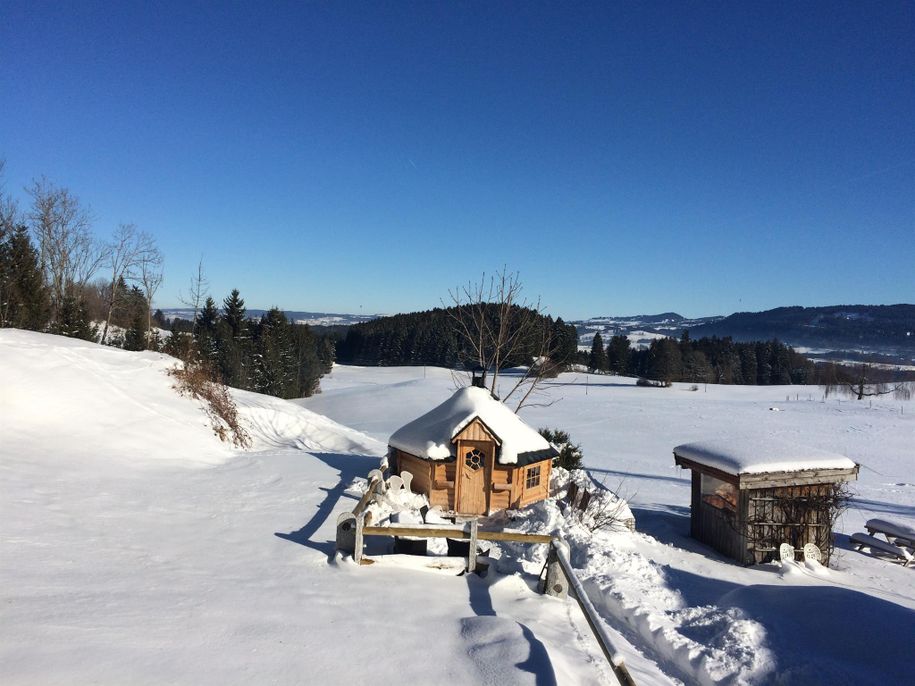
(700, 617)
(136, 548)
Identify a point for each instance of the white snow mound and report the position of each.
(430, 435)
(76, 396)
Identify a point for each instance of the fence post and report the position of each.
(360, 522)
(346, 533)
(472, 553)
(556, 583)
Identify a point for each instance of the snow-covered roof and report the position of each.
(760, 455)
(430, 436)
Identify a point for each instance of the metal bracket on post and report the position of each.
(472, 553)
(556, 583)
(346, 533)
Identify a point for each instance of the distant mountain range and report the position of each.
(310, 318)
(838, 331)
(641, 329)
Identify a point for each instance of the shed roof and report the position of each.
(430, 436)
(760, 456)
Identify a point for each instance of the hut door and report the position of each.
(473, 465)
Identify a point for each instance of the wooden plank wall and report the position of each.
(540, 492)
(434, 479)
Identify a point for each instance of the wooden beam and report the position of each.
(460, 533)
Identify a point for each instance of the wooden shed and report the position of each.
(750, 496)
(472, 455)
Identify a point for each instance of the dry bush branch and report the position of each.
(198, 381)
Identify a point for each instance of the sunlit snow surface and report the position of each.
(136, 548)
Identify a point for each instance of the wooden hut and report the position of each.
(472, 455)
(748, 497)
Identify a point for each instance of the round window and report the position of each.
(474, 459)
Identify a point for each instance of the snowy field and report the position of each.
(135, 548)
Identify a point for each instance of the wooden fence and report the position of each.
(353, 527)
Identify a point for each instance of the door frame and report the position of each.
(489, 450)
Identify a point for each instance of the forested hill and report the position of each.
(886, 328)
(431, 337)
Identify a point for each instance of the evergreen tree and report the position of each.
(206, 334)
(24, 298)
(565, 343)
(618, 355)
(135, 336)
(275, 370)
(73, 319)
(597, 361)
(665, 362)
(160, 320)
(235, 344)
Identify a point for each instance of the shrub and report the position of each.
(651, 383)
(199, 380)
(570, 456)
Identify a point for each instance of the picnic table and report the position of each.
(903, 535)
(900, 539)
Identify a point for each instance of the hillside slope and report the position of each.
(136, 548)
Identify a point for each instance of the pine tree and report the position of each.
(274, 360)
(597, 361)
(73, 319)
(235, 344)
(135, 336)
(24, 298)
(206, 335)
(618, 355)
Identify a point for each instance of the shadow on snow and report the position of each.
(348, 467)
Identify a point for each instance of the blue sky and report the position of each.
(625, 158)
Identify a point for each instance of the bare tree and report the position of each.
(126, 251)
(150, 277)
(197, 292)
(69, 253)
(865, 386)
(498, 327)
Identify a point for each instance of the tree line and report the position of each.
(705, 360)
(269, 355)
(57, 276)
(432, 338)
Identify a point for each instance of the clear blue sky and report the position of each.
(624, 157)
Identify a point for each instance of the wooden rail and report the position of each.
(559, 556)
(459, 532)
(560, 575)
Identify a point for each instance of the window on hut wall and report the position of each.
(719, 494)
(532, 477)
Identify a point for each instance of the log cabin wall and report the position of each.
(504, 482)
(535, 482)
(505, 486)
(434, 479)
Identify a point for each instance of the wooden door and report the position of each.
(473, 465)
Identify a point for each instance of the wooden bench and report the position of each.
(904, 535)
(864, 540)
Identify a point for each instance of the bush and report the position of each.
(570, 456)
(651, 383)
(200, 381)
